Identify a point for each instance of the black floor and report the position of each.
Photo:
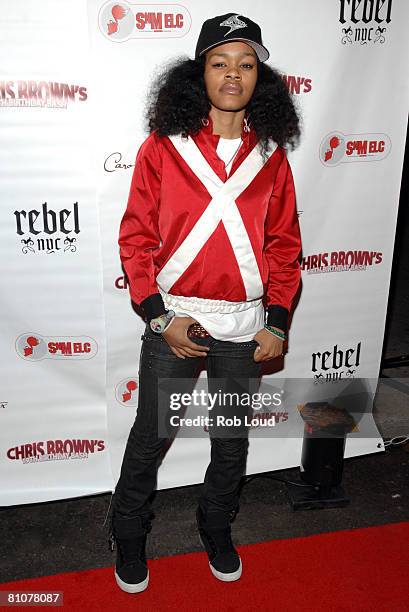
(60, 536)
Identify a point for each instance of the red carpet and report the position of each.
(350, 570)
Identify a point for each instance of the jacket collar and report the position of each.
(207, 143)
(208, 130)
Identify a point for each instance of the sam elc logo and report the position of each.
(338, 148)
(120, 22)
(34, 347)
(126, 392)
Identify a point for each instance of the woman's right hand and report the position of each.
(178, 340)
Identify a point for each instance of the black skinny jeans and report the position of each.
(225, 360)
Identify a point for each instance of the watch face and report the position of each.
(156, 327)
(158, 324)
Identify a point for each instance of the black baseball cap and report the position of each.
(231, 26)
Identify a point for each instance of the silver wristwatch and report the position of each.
(159, 324)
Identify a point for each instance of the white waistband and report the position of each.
(206, 305)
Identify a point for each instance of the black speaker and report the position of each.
(322, 457)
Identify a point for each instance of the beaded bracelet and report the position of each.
(277, 333)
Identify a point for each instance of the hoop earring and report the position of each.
(205, 121)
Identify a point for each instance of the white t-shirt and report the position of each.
(239, 326)
(226, 149)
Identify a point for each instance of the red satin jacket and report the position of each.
(190, 230)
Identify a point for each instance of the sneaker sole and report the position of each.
(132, 588)
(231, 576)
(226, 577)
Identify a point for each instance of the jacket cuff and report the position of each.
(153, 306)
(277, 316)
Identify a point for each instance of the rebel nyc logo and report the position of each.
(365, 21)
(336, 363)
(47, 230)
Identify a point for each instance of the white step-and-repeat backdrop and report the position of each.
(73, 82)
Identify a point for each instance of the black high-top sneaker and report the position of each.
(131, 569)
(215, 535)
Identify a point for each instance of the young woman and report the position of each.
(210, 243)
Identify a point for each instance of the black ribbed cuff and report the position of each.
(153, 306)
(277, 316)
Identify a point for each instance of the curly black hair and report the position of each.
(177, 102)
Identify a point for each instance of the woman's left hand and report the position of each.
(270, 346)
